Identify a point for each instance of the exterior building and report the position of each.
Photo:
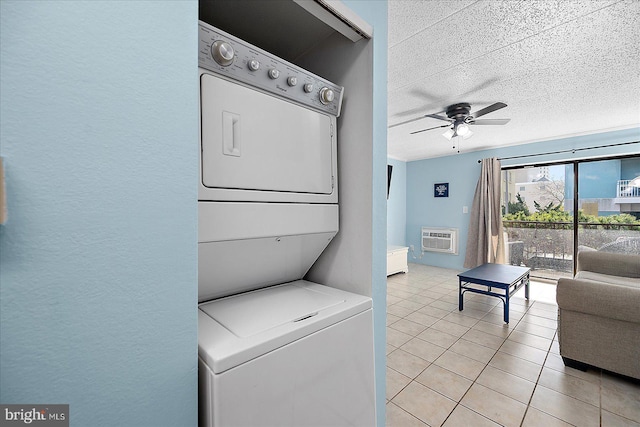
(543, 191)
(607, 187)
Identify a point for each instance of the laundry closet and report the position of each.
(285, 320)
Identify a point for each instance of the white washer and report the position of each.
(273, 349)
(293, 355)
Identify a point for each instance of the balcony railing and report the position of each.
(548, 246)
(628, 188)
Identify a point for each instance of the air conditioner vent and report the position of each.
(443, 240)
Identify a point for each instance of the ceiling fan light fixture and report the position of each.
(460, 117)
(449, 134)
(462, 129)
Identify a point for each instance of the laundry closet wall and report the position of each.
(355, 260)
(98, 261)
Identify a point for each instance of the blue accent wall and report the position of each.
(461, 171)
(98, 261)
(629, 168)
(375, 13)
(598, 179)
(423, 209)
(397, 204)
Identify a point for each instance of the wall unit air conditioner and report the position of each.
(443, 240)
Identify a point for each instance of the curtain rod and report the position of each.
(573, 150)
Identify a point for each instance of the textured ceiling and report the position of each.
(563, 68)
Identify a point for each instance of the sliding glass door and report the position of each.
(609, 205)
(537, 205)
(553, 211)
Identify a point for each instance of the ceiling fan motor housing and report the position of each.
(458, 112)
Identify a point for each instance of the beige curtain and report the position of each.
(485, 241)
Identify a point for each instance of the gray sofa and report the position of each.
(599, 313)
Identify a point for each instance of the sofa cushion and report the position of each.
(606, 278)
(599, 299)
(627, 265)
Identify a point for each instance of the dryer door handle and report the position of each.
(230, 134)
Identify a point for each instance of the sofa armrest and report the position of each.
(625, 265)
(599, 299)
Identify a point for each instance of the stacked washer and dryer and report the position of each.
(273, 348)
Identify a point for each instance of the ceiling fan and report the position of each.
(460, 118)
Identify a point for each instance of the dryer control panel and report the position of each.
(229, 56)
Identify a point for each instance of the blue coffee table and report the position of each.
(509, 278)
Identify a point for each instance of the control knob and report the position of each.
(326, 95)
(254, 65)
(308, 87)
(274, 73)
(292, 80)
(222, 53)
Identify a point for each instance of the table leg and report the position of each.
(526, 287)
(506, 306)
(459, 294)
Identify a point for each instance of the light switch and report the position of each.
(465, 209)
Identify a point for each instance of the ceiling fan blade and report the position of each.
(486, 110)
(436, 116)
(414, 111)
(419, 118)
(423, 130)
(490, 122)
(405, 122)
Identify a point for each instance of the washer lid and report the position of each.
(239, 328)
(255, 312)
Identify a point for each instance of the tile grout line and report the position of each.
(431, 363)
(521, 319)
(458, 338)
(407, 412)
(600, 398)
(535, 385)
(478, 376)
(487, 364)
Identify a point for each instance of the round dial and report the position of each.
(308, 87)
(292, 81)
(254, 65)
(326, 95)
(274, 73)
(222, 53)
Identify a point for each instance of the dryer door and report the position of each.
(258, 142)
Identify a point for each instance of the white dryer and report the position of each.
(273, 349)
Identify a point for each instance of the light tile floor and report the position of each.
(470, 369)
